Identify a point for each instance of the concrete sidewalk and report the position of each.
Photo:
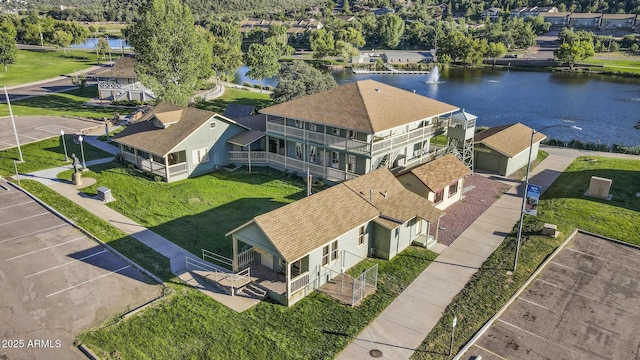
(400, 329)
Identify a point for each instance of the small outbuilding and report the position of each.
(505, 149)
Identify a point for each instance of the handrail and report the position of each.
(216, 257)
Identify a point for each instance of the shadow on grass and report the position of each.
(376, 343)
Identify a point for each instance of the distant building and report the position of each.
(585, 21)
(121, 83)
(492, 13)
(618, 22)
(295, 29)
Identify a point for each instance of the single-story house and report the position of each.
(121, 83)
(505, 149)
(177, 142)
(313, 240)
(440, 181)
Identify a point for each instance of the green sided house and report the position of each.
(353, 129)
(314, 240)
(177, 142)
(504, 149)
(441, 180)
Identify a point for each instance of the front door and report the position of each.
(266, 260)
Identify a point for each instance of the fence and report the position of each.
(367, 281)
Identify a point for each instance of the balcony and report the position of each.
(393, 141)
(283, 162)
(331, 141)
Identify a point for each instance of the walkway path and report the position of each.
(400, 329)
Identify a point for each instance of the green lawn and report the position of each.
(70, 103)
(196, 213)
(46, 154)
(236, 96)
(632, 65)
(34, 65)
(563, 204)
(190, 325)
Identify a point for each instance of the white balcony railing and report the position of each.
(333, 141)
(390, 142)
(178, 168)
(299, 282)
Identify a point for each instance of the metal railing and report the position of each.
(245, 258)
(218, 275)
(369, 278)
(213, 257)
(402, 138)
(333, 141)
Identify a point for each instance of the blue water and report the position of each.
(90, 43)
(605, 107)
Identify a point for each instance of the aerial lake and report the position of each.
(605, 107)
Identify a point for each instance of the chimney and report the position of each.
(385, 194)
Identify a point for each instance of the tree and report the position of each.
(345, 50)
(173, 55)
(62, 39)
(351, 35)
(574, 52)
(298, 79)
(391, 29)
(322, 43)
(226, 57)
(8, 50)
(262, 61)
(102, 48)
(496, 50)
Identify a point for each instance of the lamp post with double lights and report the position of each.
(64, 145)
(526, 186)
(84, 165)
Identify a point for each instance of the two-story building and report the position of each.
(618, 22)
(121, 83)
(585, 21)
(350, 130)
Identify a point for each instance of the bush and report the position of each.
(128, 103)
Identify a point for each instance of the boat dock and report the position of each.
(394, 72)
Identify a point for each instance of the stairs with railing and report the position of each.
(385, 161)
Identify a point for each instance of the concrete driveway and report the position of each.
(56, 282)
(35, 128)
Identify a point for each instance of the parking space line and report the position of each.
(14, 205)
(536, 335)
(33, 233)
(67, 263)
(25, 218)
(88, 281)
(536, 304)
(46, 248)
(489, 351)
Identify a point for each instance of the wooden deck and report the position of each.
(341, 289)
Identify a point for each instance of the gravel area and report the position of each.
(460, 215)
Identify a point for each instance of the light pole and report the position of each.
(64, 145)
(526, 185)
(84, 165)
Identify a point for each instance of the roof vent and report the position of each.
(386, 195)
(378, 90)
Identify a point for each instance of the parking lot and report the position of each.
(585, 304)
(56, 282)
(35, 128)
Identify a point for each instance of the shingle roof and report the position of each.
(585, 15)
(508, 140)
(618, 16)
(439, 173)
(147, 136)
(123, 67)
(300, 227)
(393, 200)
(234, 111)
(368, 106)
(246, 138)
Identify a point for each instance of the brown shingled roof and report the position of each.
(393, 200)
(300, 227)
(368, 106)
(147, 136)
(508, 140)
(439, 173)
(123, 67)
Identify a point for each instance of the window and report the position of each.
(212, 125)
(438, 195)
(361, 236)
(351, 163)
(199, 156)
(330, 253)
(128, 149)
(313, 127)
(351, 134)
(453, 188)
(312, 154)
(335, 161)
(298, 124)
(336, 131)
(177, 158)
(299, 151)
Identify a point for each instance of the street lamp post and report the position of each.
(526, 185)
(84, 165)
(64, 145)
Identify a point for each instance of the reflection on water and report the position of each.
(605, 107)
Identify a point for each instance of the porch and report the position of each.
(154, 166)
(277, 127)
(284, 162)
